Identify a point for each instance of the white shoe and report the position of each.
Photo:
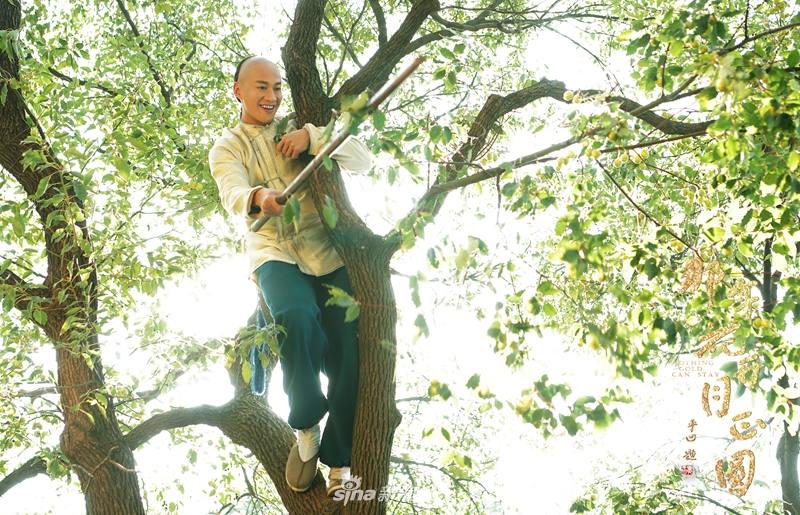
(308, 442)
(336, 479)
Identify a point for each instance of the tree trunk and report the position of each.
(95, 448)
(91, 439)
(788, 449)
(376, 413)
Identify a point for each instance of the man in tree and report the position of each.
(293, 264)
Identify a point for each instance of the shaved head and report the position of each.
(257, 87)
(246, 63)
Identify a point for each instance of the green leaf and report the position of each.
(413, 283)
(378, 119)
(40, 317)
(327, 163)
(329, 212)
(40, 189)
(422, 325)
(447, 135)
(793, 59)
(102, 401)
(569, 424)
(473, 381)
(444, 392)
(793, 161)
(447, 53)
(462, 258)
(547, 288)
(351, 313)
(450, 79)
(339, 297)
(280, 128)
(247, 371)
(291, 212)
(446, 434)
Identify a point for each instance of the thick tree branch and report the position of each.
(299, 59)
(247, 421)
(380, 19)
(381, 64)
(644, 112)
(31, 468)
(496, 171)
(497, 106)
(166, 92)
(173, 419)
(179, 417)
(513, 22)
(15, 142)
(23, 291)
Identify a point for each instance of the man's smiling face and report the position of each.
(259, 90)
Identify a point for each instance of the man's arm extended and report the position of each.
(235, 191)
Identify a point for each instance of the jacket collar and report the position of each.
(253, 130)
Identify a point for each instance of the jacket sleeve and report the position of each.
(352, 154)
(231, 177)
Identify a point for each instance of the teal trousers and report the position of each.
(315, 339)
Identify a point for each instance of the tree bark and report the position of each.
(788, 446)
(95, 447)
(788, 449)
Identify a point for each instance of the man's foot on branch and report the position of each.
(336, 478)
(301, 466)
(308, 442)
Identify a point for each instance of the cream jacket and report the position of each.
(243, 159)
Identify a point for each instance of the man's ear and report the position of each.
(236, 92)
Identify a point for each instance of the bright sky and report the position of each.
(554, 472)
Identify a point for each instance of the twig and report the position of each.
(759, 36)
(701, 498)
(166, 92)
(651, 143)
(645, 213)
(82, 82)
